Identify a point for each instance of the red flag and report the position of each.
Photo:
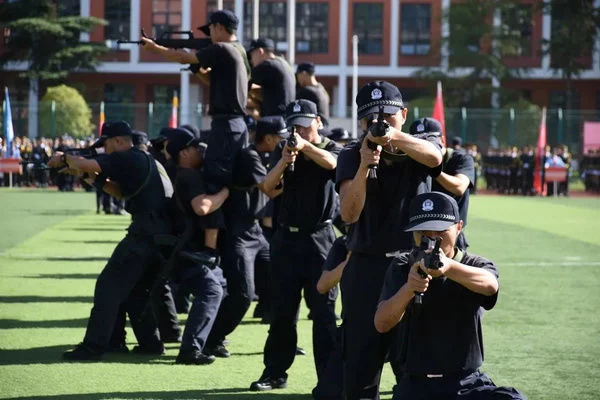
(101, 124)
(173, 120)
(538, 183)
(438, 111)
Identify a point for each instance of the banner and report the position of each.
(538, 180)
(438, 111)
(9, 133)
(173, 119)
(101, 124)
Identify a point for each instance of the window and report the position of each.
(166, 16)
(312, 27)
(368, 26)
(68, 8)
(114, 93)
(117, 13)
(211, 6)
(517, 27)
(273, 23)
(415, 28)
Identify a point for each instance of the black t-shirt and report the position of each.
(278, 83)
(228, 78)
(380, 227)
(318, 95)
(131, 169)
(443, 335)
(245, 199)
(308, 197)
(458, 163)
(188, 185)
(337, 254)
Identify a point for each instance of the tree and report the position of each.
(50, 45)
(479, 47)
(575, 25)
(72, 115)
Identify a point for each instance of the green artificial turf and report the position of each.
(542, 336)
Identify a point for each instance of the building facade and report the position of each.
(396, 39)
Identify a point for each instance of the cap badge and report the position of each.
(297, 108)
(376, 94)
(427, 205)
(420, 128)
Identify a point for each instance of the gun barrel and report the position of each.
(121, 41)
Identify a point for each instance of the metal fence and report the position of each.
(484, 127)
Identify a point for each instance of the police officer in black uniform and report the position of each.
(301, 242)
(272, 75)
(204, 280)
(126, 173)
(310, 88)
(225, 67)
(456, 174)
(440, 345)
(243, 244)
(377, 209)
(270, 131)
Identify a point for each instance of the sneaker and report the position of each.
(194, 357)
(218, 351)
(269, 383)
(82, 353)
(143, 350)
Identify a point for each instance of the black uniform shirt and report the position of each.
(278, 85)
(318, 95)
(443, 335)
(228, 78)
(308, 197)
(245, 199)
(336, 255)
(188, 185)
(380, 227)
(130, 169)
(458, 163)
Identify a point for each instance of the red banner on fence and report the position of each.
(13, 165)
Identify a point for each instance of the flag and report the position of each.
(9, 133)
(173, 120)
(101, 124)
(538, 183)
(438, 111)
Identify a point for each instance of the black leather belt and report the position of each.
(299, 229)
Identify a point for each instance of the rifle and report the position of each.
(292, 142)
(377, 129)
(173, 40)
(40, 165)
(429, 253)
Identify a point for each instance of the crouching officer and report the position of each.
(302, 239)
(439, 345)
(202, 279)
(130, 174)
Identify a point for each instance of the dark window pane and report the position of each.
(415, 29)
(517, 27)
(312, 27)
(166, 16)
(368, 26)
(558, 99)
(117, 13)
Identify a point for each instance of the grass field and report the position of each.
(543, 336)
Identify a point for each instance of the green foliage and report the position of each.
(73, 115)
(51, 46)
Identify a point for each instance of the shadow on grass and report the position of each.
(66, 213)
(103, 229)
(90, 241)
(223, 394)
(63, 276)
(46, 299)
(61, 323)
